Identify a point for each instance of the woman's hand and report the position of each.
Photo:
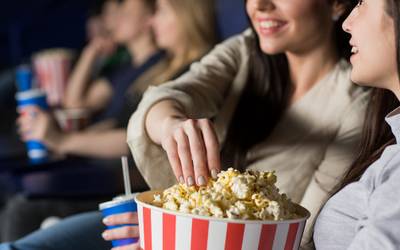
(192, 148)
(122, 232)
(35, 124)
(100, 46)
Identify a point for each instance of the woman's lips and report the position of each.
(354, 52)
(270, 26)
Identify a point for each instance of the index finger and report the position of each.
(212, 147)
(120, 219)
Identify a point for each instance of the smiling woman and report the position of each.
(365, 211)
(277, 97)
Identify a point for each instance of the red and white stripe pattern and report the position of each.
(53, 70)
(166, 231)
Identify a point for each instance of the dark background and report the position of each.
(29, 26)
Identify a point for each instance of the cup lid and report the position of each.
(117, 200)
(29, 94)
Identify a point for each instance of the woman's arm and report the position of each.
(172, 119)
(110, 143)
(102, 144)
(78, 91)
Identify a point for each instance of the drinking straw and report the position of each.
(125, 169)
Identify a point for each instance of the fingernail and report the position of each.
(105, 235)
(181, 180)
(214, 173)
(106, 220)
(201, 181)
(190, 181)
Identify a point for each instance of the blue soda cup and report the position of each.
(37, 152)
(120, 204)
(23, 78)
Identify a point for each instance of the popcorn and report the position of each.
(251, 195)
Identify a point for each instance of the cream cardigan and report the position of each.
(310, 148)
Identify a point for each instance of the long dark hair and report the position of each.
(267, 93)
(376, 133)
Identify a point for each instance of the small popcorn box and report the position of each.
(52, 68)
(71, 120)
(161, 229)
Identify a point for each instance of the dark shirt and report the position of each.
(121, 80)
(132, 100)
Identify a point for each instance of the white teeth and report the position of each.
(269, 24)
(354, 50)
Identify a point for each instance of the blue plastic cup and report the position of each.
(37, 152)
(119, 205)
(23, 78)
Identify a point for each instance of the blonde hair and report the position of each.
(198, 21)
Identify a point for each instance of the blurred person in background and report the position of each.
(186, 30)
(133, 29)
(183, 45)
(104, 54)
(99, 26)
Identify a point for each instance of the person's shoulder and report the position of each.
(232, 51)
(239, 41)
(391, 170)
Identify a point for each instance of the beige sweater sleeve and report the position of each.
(338, 157)
(202, 92)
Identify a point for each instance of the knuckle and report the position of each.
(173, 156)
(179, 133)
(130, 217)
(189, 122)
(204, 122)
(168, 143)
(126, 231)
(184, 147)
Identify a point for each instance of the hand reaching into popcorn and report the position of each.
(191, 144)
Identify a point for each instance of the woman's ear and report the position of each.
(338, 10)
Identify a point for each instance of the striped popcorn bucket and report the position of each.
(162, 229)
(52, 68)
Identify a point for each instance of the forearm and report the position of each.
(159, 115)
(105, 144)
(77, 84)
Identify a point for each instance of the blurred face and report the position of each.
(109, 14)
(94, 28)
(373, 45)
(133, 18)
(295, 26)
(166, 27)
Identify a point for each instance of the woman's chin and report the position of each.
(270, 49)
